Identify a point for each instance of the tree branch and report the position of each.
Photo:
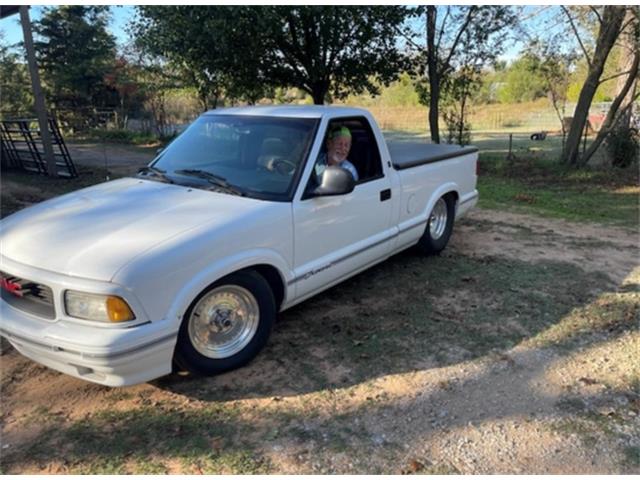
(597, 14)
(442, 27)
(465, 25)
(401, 32)
(620, 74)
(575, 31)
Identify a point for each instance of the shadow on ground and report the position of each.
(408, 315)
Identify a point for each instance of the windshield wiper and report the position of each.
(212, 178)
(156, 172)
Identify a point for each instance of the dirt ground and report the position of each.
(515, 351)
(118, 159)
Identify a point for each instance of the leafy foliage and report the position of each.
(523, 81)
(459, 39)
(204, 57)
(623, 145)
(331, 49)
(75, 52)
(15, 84)
(460, 87)
(322, 50)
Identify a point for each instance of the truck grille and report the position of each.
(28, 296)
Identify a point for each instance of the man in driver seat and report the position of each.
(338, 146)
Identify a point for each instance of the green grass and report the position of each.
(591, 427)
(142, 440)
(632, 456)
(613, 313)
(544, 188)
(535, 182)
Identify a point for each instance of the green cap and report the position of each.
(339, 132)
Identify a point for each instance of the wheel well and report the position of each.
(453, 194)
(273, 278)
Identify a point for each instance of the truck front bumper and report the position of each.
(109, 356)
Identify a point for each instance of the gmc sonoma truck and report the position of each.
(186, 265)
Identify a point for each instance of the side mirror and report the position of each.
(335, 181)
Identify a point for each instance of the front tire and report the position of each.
(439, 226)
(227, 325)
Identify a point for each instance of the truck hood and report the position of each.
(94, 232)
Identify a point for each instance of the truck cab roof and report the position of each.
(299, 111)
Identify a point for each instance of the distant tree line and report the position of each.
(247, 54)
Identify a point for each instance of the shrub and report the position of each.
(122, 136)
(623, 146)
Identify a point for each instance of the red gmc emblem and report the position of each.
(11, 287)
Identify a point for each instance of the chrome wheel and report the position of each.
(224, 321)
(438, 219)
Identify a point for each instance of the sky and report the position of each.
(536, 18)
(120, 16)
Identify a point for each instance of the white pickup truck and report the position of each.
(187, 264)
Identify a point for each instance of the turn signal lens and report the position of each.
(100, 308)
(118, 310)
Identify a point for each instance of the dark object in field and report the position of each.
(538, 136)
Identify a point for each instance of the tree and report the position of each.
(196, 41)
(124, 78)
(75, 52)
(554, 67)
(322, 50)
(336, 50)
(457, 37)
(463, 83)
(15, 84)
(522, 81)
(611, 23)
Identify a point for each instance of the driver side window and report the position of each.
(362, 156)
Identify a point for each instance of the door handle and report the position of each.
(385, 194)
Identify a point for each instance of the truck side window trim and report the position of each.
(301, 168)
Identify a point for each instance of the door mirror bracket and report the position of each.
(335, 181)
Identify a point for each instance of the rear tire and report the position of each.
(227, 325)
(439, 226)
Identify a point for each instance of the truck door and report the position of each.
(337, 236)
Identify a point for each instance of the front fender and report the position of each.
(223, 267)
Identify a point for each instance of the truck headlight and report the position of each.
(101, 308)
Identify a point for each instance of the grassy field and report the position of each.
(536, 182)
(526, 117)
(543, 187)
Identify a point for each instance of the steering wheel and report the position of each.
(284, 166)
(275, 163)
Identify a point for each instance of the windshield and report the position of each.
(258, 156)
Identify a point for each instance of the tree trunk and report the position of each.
(318, 94)
(612, 119)
(607, 35)
(434, 80)
(630, 45)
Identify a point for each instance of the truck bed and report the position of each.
(411, 154)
